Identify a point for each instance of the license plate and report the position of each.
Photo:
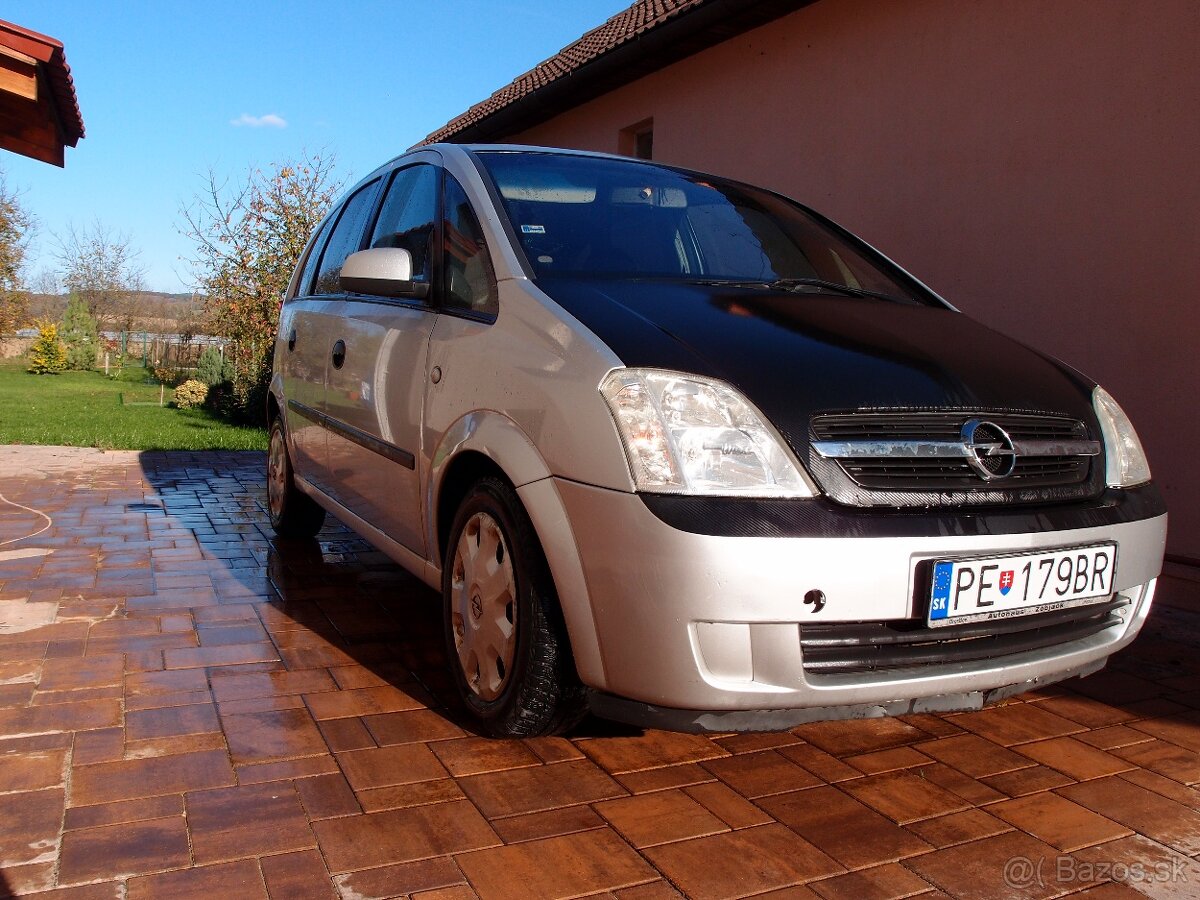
(1001, 587)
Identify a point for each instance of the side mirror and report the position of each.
(381, 272)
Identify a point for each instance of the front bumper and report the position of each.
(707, 627)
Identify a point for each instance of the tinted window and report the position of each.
(582, 216)
(345, 239)
(468, 268)
(304, 284)
(407, 216)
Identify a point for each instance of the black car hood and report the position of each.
(796, 354)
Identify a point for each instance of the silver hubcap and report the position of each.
(483, 606)
(276, 472)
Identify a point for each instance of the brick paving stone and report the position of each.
(1074, 758)
(738, 863)
(824, 765)
(1057, 821)
(904, 796)
(400, 796)
(402, 878)
(958, 828)
(845, 829)
(274, 734)
(248, 820)
(758, 774)
(402, 835)
(297, 876)
(131, 779)
(532, 826)
(234, 879)
(583, 863)
(888, 760)
(31, 771)
(327, 796)
(474, 755)
(976, 871)
(1144, 811)
(663, 779)
(974, 756)
(886, 882)
(171, 721)
(648, 819)
(546, 787)
(727, 805)
(133, 848)
(362, 702)
(1017, 723)
(854, 736)
(123, 811)
(650, 750)
(29, 826)
(1027, 781)
(1164, 758)
(1139, 862)
(345, 734)
(1160, 784)
(385, 766)
(269, 684)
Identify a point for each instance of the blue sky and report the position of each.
(160, 84)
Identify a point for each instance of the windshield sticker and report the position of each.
(533, 229)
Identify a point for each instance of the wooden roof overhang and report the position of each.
(39, 113)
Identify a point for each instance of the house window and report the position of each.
(638, 140)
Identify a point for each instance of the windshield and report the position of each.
(589, 217)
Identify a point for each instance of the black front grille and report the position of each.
(846, 647)
(937, 476)
(949, 474)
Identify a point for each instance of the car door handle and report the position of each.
(339, 354)
(292, 340)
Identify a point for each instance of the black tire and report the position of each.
(293, 513)
(538, 692)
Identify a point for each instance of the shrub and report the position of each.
(47, 356)
(80, 334)
(213, 367)
(168, 375)
(190, 394)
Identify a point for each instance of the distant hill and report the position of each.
(154, 310)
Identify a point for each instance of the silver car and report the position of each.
(684, 452)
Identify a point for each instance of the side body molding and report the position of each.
(497, 437)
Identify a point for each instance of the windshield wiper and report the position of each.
(797, 285)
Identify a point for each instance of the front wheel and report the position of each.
(509, 652)
(293, 514)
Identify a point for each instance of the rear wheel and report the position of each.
(293, 514)
(509, 652)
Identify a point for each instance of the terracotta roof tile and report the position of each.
(641, 17)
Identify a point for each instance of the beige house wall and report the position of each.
(1038, 164)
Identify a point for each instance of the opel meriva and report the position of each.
(686, 453)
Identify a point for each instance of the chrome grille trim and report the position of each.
(874, 449)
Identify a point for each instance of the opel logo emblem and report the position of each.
(477, 607)
(990, 452)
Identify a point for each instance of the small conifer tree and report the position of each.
(47, 356)
(80, 334)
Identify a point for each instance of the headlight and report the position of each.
(684, 434)
(1125, 460)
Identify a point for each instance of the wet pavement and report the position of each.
(188, 708)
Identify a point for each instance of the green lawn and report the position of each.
(86, 409)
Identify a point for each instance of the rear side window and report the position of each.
(468, 267)
(345, 238)
(407, 216)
